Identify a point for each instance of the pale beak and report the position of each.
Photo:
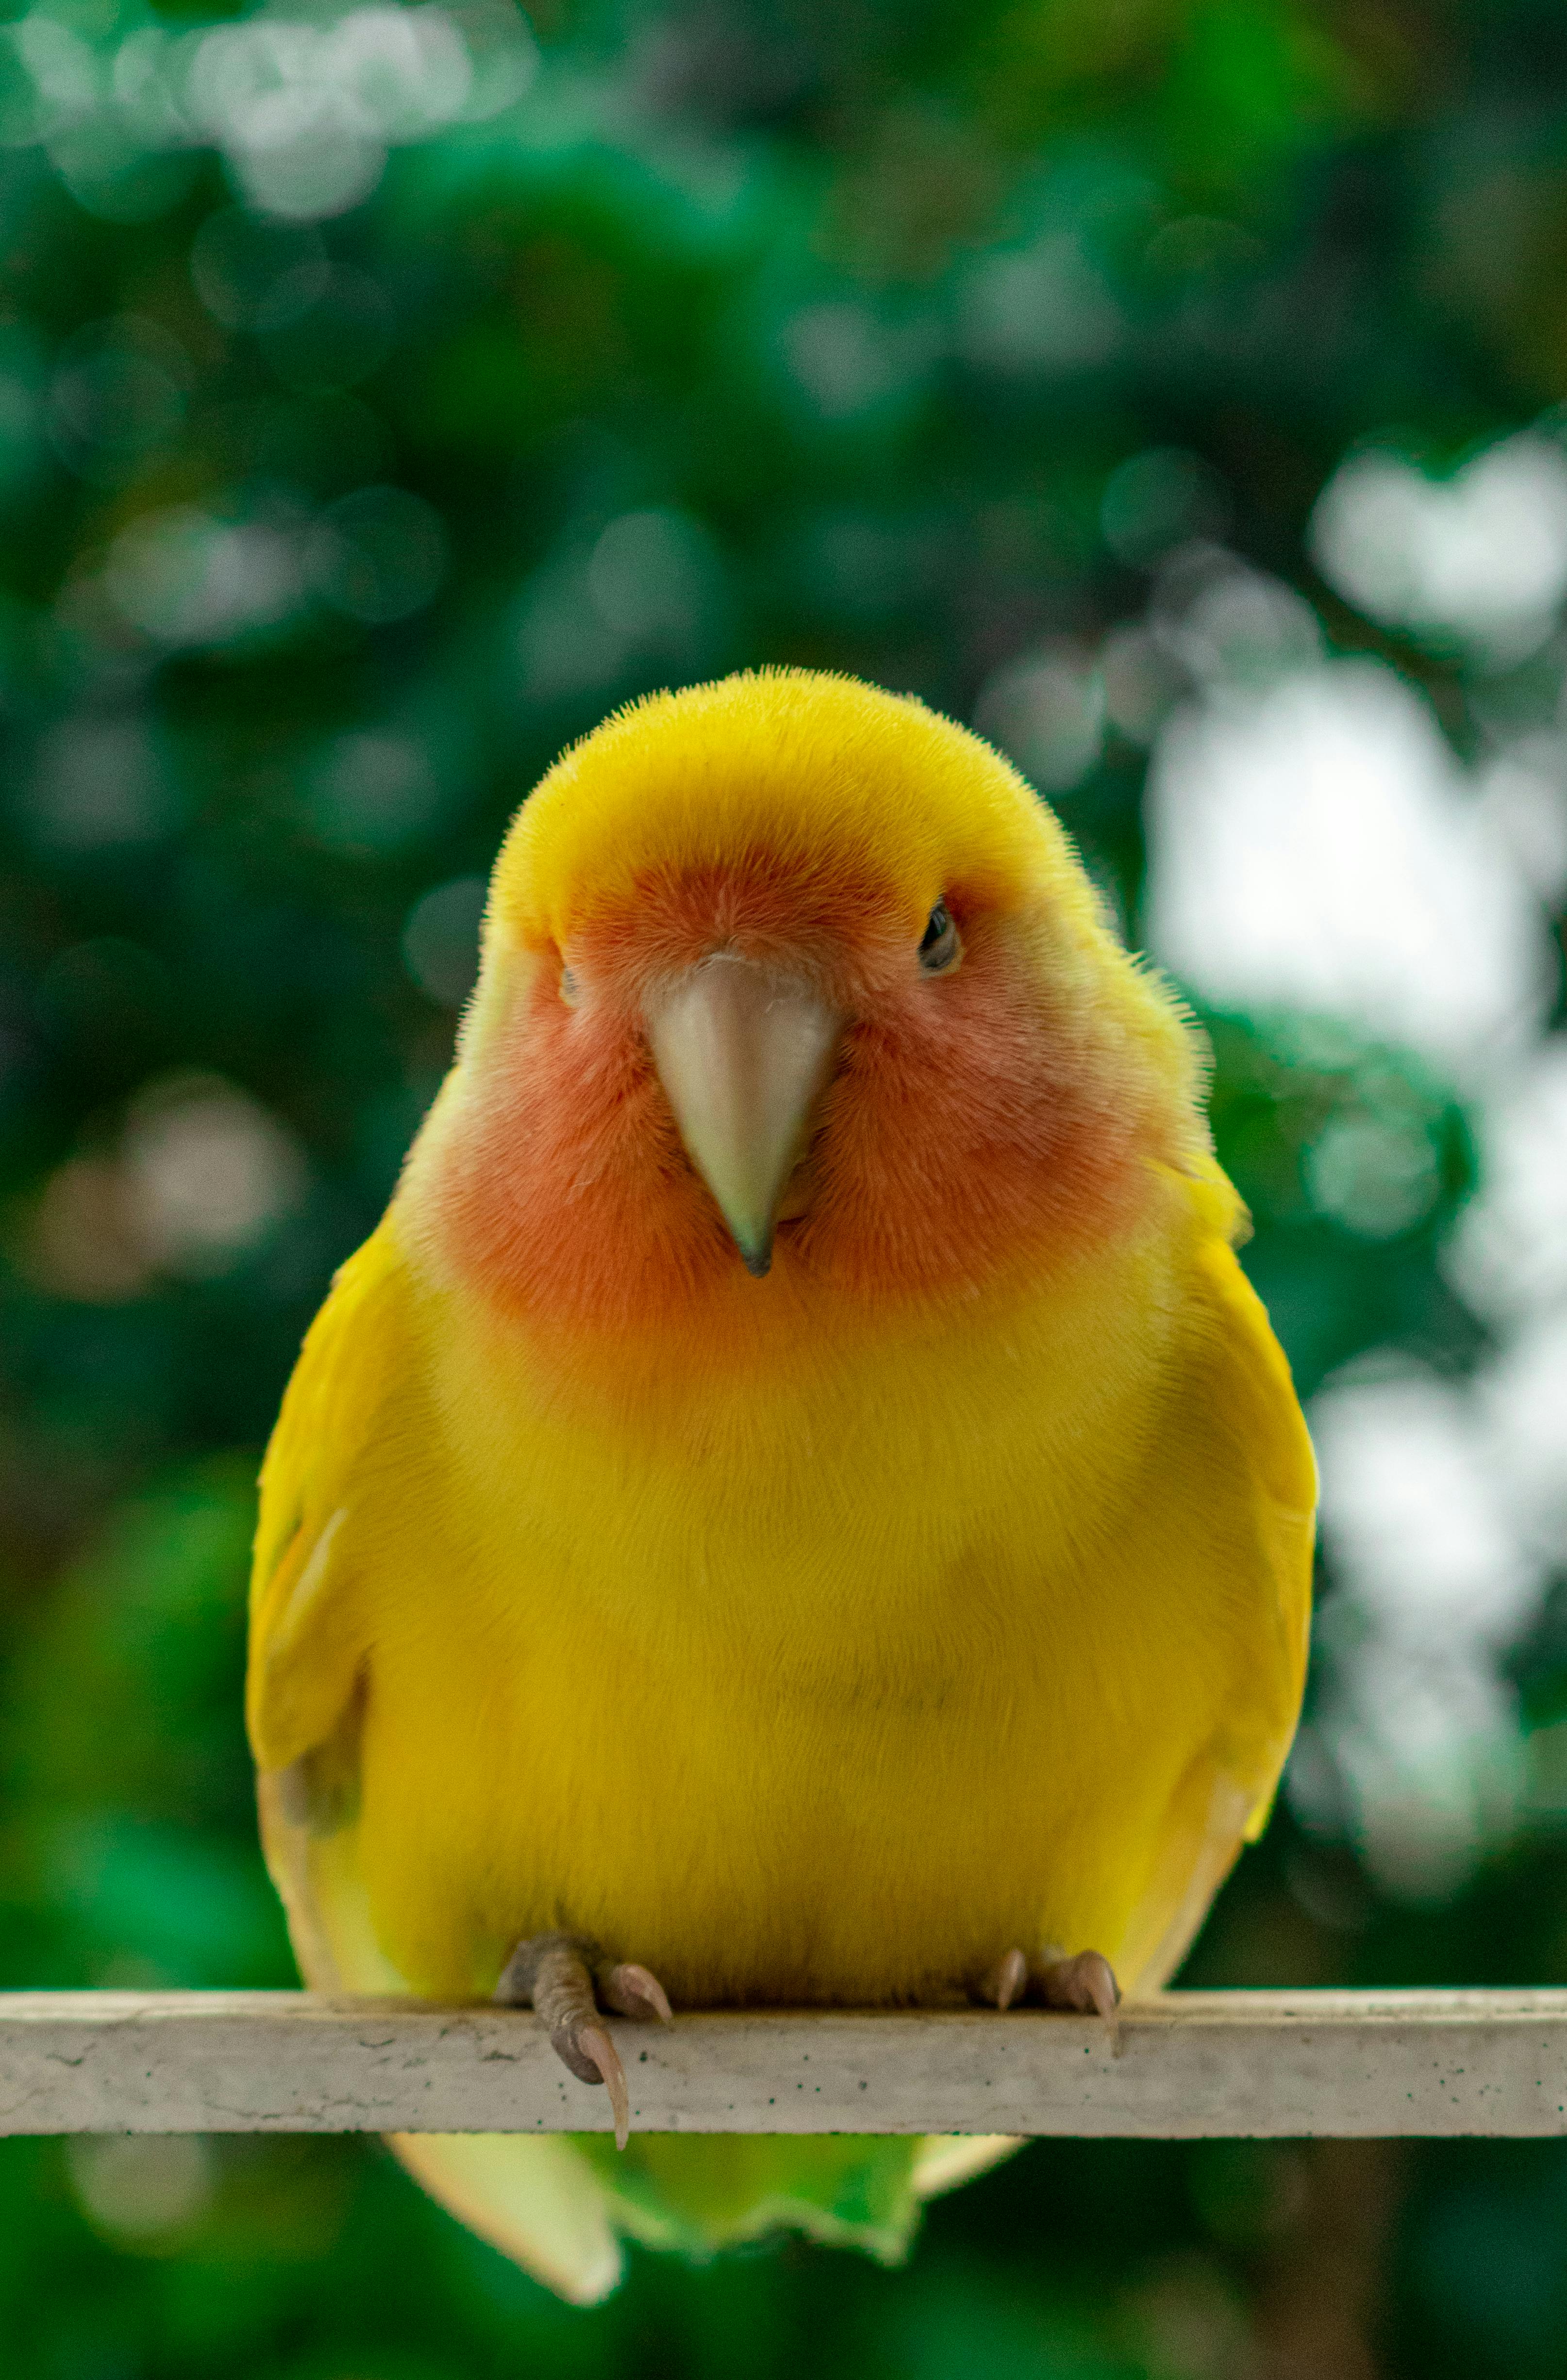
(743, 1054)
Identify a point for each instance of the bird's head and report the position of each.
(787, 976)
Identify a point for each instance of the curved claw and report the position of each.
(635, 1991)
(558, 1973)
(1005, 1981)
(594, 2043)
(1086, 1982)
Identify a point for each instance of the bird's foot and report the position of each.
(568, 1982)
(1086, 1982)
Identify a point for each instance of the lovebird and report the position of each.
(796, 1503)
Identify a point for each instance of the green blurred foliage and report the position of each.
(354, 458)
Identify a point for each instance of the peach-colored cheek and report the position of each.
(567, 1192)
(964, 1137)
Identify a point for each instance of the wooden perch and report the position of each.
(1187, 2065)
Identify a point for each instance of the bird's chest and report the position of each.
(789, 1770)
(800, 1704)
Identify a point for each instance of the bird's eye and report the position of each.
(938, 944)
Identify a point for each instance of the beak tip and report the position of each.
(758, 1262)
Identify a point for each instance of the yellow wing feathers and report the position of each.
(309, 1627)
(1234, 1483)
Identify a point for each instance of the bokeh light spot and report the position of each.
(1159, 499)
(136, 2187)
(117, 396)
(1047, 711)
(379, 554)
(441, 939)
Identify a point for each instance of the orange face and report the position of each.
(991, 1114)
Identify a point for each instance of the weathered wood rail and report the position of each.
(1187, 2065)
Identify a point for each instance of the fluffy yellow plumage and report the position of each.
(822, 1636)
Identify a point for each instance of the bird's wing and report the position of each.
(1255, 1404)
(307, 1629)
(1248, 1430)
(310, 1620)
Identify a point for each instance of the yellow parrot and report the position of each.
(796, 1503)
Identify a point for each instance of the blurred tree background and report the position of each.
(1168, 387)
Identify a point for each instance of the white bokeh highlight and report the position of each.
(1314, 847)
(1480, 557)
(304, 109)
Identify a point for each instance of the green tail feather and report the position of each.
(698, 2193)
